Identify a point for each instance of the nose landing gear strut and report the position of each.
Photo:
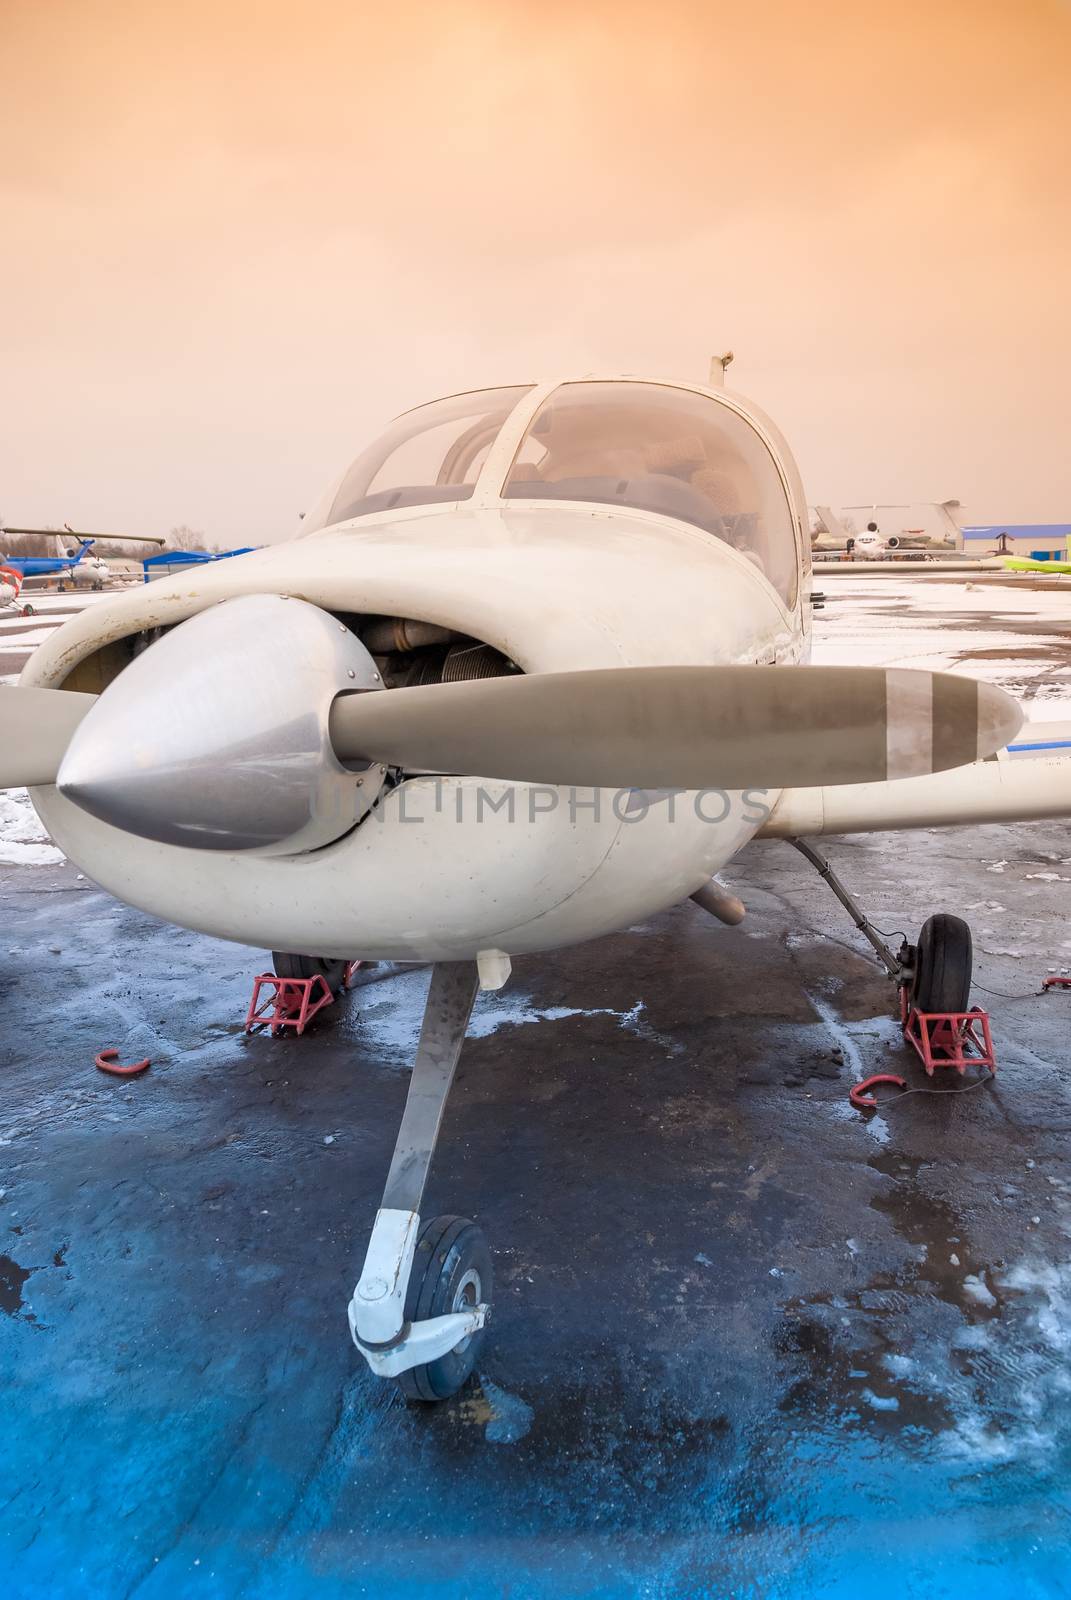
(934, 975)
(424, 1295)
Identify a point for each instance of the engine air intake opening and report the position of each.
(409, 653)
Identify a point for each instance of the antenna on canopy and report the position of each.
(718, 365)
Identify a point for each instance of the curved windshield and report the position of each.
(655, 448)
(431, 454)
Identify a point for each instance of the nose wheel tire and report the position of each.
(942, 965)
(451, 1272)
(293, 966)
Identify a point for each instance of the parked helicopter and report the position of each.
(65, 565)
(57, 566)
(534, 669)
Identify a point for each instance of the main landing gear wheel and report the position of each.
(943, 961)
(451, 1272)
(291, 966)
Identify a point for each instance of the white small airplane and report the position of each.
(534, 669)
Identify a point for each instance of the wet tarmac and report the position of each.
(746, 1341)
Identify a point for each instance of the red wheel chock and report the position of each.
(290, 1002)
(861, 1100)
(108, 1061)
(958, 1039)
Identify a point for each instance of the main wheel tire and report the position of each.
(943, 964)
(451, 1272)
(292, 966)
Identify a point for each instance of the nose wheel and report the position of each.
(424, 1295)
(451, 1274)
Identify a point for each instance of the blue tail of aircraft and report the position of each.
(50, 566)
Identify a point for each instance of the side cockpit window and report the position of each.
(428, 455)
(655, 448)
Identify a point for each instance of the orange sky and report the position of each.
(237, 237)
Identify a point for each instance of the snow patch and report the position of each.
(880, 1402)
(963, 626)
(979, 1292)
(1035, 1305)
(1049, 1287)
(23, 841)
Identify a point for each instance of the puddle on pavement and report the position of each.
(12, 1281)
(947, 1350)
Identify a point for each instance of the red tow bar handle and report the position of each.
(108, 1061)
(862, 1101)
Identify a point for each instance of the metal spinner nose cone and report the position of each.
(112, 771)
(217, 736)
(90, 776)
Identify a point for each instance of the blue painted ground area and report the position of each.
(745, 1342)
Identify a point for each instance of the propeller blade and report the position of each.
(35, 728)
(732, 727)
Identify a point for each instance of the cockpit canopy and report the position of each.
(651, 447)
(428, 455)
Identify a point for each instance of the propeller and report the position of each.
(727, 727)
(231, 731)
(36, 726)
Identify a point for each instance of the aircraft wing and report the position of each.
(73, 533)
(895, 563)
(1028, 564)
(1027, 783)
(896, 569)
